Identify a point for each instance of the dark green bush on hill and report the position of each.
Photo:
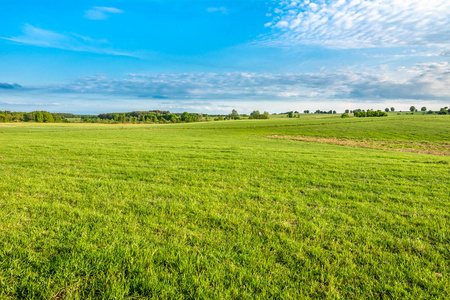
(257, 115)
(370, 113)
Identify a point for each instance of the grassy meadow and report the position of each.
(314, 207)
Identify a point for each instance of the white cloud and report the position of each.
(222, 9)
(361, 23)
(101, 12)
(46, 38)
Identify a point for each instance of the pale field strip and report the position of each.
(402, 146)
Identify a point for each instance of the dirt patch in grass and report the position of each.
(402, 146)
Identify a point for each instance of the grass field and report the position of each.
(279, 208)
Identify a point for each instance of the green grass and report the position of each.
(218, 210)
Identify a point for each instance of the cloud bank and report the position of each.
(425, 81)
(351, 24)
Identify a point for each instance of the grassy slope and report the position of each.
(218, 210)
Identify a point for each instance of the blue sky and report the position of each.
(212, 56)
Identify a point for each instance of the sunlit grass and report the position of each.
(218, 210)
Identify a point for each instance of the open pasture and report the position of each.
(233, 209)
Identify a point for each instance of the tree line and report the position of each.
(34, 116)
(161, 116)
(134, 117)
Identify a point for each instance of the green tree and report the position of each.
(423, 108)
(57, 118)
(48, 118)
(291, 114)
(234, 114)
(39, 117)
(412, 109)
(392, 109)
(443, 111)
(255, 114)
(386, 109)
(184, 116)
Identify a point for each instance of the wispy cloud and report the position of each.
(101, 12)
(30, 103)
(46, 38)
(222, 10)
(360, 23)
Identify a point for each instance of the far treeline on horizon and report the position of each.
(160, 116)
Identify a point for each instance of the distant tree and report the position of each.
(443, 111)
(291, 114)
(386, 109)
(185, 116)
(412, 109)
(306, 111)
(334, 112)
(345, 115)
(57, 118)
(234, 114)
(255, 114)
(347, 111)
(39, 117)
(392, 109)
(423, 108)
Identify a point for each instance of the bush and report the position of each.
(345, 115)
(370, 113)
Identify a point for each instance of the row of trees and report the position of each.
(324, 112)
(34, 116)
(157, 116)
(369, 113)
(145, 117)
(442, 111)
(134, 117)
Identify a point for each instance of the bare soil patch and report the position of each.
(402, 146)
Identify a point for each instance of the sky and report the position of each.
(212, 56)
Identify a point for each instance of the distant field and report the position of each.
(314, 207)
